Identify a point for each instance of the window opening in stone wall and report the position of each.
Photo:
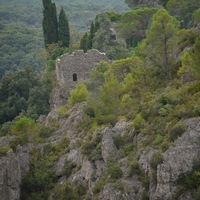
(74, 77)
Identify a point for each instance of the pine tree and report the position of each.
(49, 23)
(63, 29)
(161, 41)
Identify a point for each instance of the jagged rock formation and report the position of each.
(73, 68)
(177, 159)
(13, 167)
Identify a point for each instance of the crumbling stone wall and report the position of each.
(71, 69)
(76, 67)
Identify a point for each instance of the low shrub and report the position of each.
(177, 130)
(134, 168)
(115, 172)
(156, 159)
(79, 94)
(138, 122)
(45, 131)
(4, 150)
(62, 111)
(106, 119)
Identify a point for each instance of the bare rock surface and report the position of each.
(178, 159)
(13, 167)
(108, 148)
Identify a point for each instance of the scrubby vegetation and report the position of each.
(153, 83)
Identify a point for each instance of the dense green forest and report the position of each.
(21, 37)
(153, 82)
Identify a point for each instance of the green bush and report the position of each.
(169, 98)
(134, 168)
(106, 119)
(197, 110)
(26, 130)
(68, 168)
(89, 111)
(45, 131)
(4, 150)
(145, 196)
(156, 159)
(99, 186)
(115, 172)
(158, 139)
(177, 130)
(18, 140)
(79, 94)
(39, 181)
(118, 140)
(129, 148)
(62, 111)
(138, 122)
(5, 129)
(92, 147)
(145, 180)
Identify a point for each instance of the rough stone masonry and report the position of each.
(71, 69)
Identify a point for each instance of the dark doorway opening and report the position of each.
(74, 77)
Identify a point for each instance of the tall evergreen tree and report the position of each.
(161, 42)
(63, 29)
(49, 23)
(91, 35)
(84, 42)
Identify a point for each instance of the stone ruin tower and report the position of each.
(71, 69)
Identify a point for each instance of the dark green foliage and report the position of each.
(103, 39)
(156, 159)
(91, 36)
(118, 140)
(25, 130)
(69, 192)
(177, 130)
(114, 17)
(38, 183)
(89, 111)
(49, 23)
(84, 43)
(189, 181)
(183, 10)
(63, 29)
(92, 148)
(124, 143)
(145, 196)
(134, 24)
(45, 131)
(68, 168)
(20, 46)
(115, 172)
(22, 91)
(4, 150)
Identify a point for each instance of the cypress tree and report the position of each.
(84, 42)
(49, 23)
(91, 36)
(63, 29)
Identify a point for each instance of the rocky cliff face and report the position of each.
(13, 167)
(99, 153)
(177, 159)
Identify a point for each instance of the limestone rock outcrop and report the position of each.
(13, 167)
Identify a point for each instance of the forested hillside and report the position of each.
(21, 38)
(130, 131)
